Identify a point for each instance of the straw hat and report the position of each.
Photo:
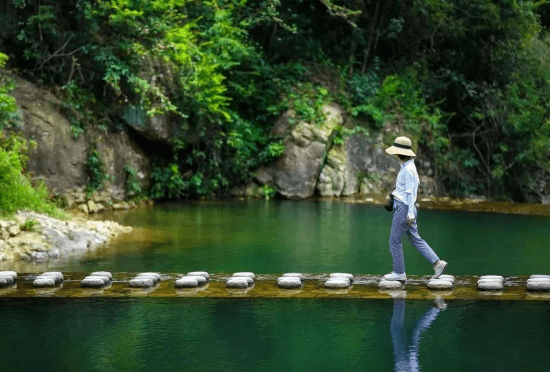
(401, 145)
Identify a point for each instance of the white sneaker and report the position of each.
(439, 267)
(395, 276)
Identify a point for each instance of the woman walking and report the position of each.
(405, 214)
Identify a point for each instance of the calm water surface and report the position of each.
(317, 237)
(271, 335)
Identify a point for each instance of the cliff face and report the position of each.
(60, 158)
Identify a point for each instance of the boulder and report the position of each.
(200, 279)
(8, 278)
(94, 207)
(449, 278)
(151, 274)
(10, 273)
(295, 173)
(57, 276)
(3, 282)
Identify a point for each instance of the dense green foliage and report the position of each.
(16, 189)
(467, 79)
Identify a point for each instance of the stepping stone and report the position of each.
(3, 282)
(440, 284)
(490, 285)
(349, 276)
(245, 274)
(249, 280)
(492, 277)
(143, 282)
(237, 282)
(538, 285)
(390, 285)
(201, 280)
(188, 282)
(41, 282)
(447, 278)
(337, 283)
(293, 274)
(93, 282)
(57, 276)
(200, 273)
(530, 277)
(9, 279)
(289, 282)
(10, 273)
(150, 274)
(103, 273)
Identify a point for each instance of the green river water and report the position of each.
(271, 237)
(316, 237)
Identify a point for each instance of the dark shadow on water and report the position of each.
(405, 345)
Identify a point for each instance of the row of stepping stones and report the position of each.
(443, 282)
(287, 280)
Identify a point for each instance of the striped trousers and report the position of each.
(399, 227)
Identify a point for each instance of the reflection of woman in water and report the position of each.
(406, 355)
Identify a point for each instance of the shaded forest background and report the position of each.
(469, 80)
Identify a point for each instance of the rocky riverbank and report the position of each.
(34, 237)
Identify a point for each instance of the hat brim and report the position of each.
(396, 150)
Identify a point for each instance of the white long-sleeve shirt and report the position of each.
(406, 185)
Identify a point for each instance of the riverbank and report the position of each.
(35, 237)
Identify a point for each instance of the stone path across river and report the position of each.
(220, 285)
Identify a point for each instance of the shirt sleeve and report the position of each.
(409, 190)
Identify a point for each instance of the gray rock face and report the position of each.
(337, 283)
(244, 274)
(60, 158)
(289, 282)
(40, 282)
(295, 173)
(390, 285)
(187, 282)
(142, 282)
(237, 282)
(200, 273)
(490, 285)
(440, 284)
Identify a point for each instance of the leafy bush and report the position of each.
(96, 171)
(16, 190)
